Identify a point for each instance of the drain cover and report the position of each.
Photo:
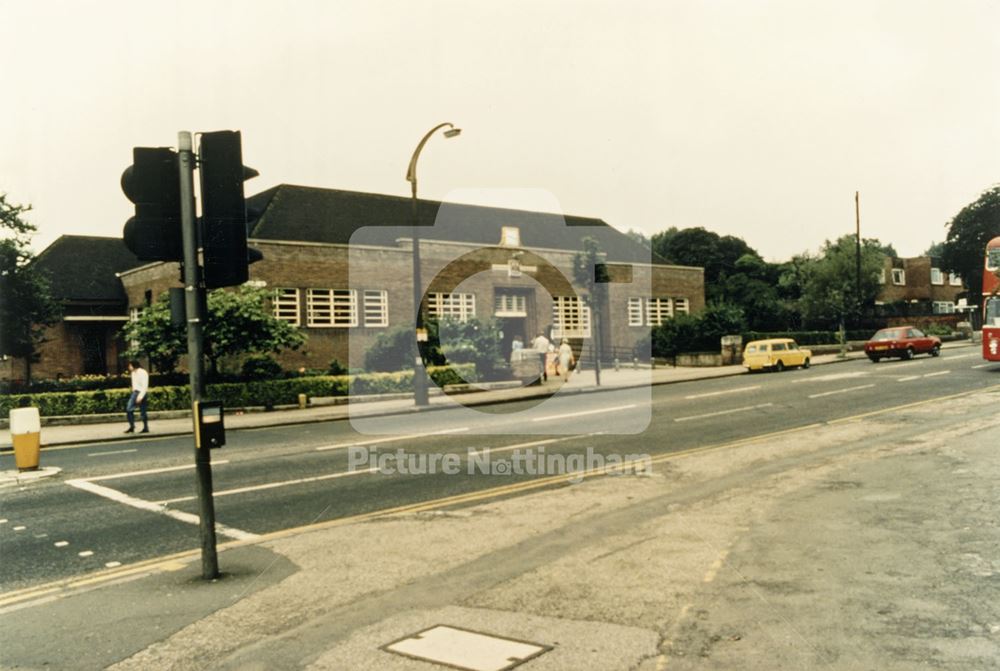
(465, 649)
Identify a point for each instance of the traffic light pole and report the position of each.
(194, 300)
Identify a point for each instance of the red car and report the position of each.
(902, 341)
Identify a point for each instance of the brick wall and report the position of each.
(445, 267)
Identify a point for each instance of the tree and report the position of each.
(26, 302)
(968, 232)
(935, 251)
(238, 323)
(831, 289)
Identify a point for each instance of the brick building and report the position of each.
(917, 286)
(340, 266)
(81, 271)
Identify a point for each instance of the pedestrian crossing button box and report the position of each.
(210, 429)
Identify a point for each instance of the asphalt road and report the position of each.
(120, 503)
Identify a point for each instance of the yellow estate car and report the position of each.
(776, 354)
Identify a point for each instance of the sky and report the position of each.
(751, 118)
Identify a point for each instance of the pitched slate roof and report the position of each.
(308, 214)
(82, 268)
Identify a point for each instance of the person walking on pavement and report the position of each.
(541, 345)
(139, 396)
(565, 358)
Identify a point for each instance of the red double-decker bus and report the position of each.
(991, 301)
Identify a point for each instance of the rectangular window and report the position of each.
(508, 304)
(461, 307)
(682, 306)
(944, 307)
(327, 308)
(570, 318)
(954, 280)
(658, 310)
(898, 276)
(285, 305)
(937, 277)
(635, 312)
(881, 276)
(376, 307)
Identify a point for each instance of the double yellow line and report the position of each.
(175, 561)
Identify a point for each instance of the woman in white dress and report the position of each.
(565, 358)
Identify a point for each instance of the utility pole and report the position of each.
(857, 255)
(194, 302)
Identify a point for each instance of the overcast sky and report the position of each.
(758, 119)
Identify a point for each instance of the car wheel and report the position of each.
(936, 350)
(908, 354)
(780, 366)
(805, 364)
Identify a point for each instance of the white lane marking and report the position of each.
(61, 544)
(982, 365)
(142, 504)
(723, 412)
(830, 376)
(535, 443)
(271, 485)
(963, 356)
(583, 412)
(85, 553)
(112, 564)
(725, 391)
(920, 377)
(842, 391)
(105, 454)
(20, 528)
(3, 521)
(151, 471)
(375, 441)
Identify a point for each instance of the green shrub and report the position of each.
(260, 367)
(266, 393)
(808, 337)
(336, 368)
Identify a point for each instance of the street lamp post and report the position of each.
(419, 372)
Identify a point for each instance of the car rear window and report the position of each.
(890, 334)
(751, 349)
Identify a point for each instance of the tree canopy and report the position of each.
(968, 232)
(26, 302)
(238, 323)
(830, 290)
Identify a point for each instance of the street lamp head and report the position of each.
(453, 132)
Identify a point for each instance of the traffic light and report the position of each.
(223, 210)
(152, 182)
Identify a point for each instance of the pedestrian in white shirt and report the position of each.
(541, 345)
(139, 396)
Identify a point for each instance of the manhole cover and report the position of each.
(465, 649)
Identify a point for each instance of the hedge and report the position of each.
(807, 337)
(234, 394)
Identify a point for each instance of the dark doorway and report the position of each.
(93, 346)
(513, 326)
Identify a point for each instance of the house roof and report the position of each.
(308, 214)
(81, 268)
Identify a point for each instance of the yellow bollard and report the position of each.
(303, 401)
(26, 434)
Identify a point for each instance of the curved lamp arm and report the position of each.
(411, 171)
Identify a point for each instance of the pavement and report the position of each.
(581, 382)
(860, 544)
